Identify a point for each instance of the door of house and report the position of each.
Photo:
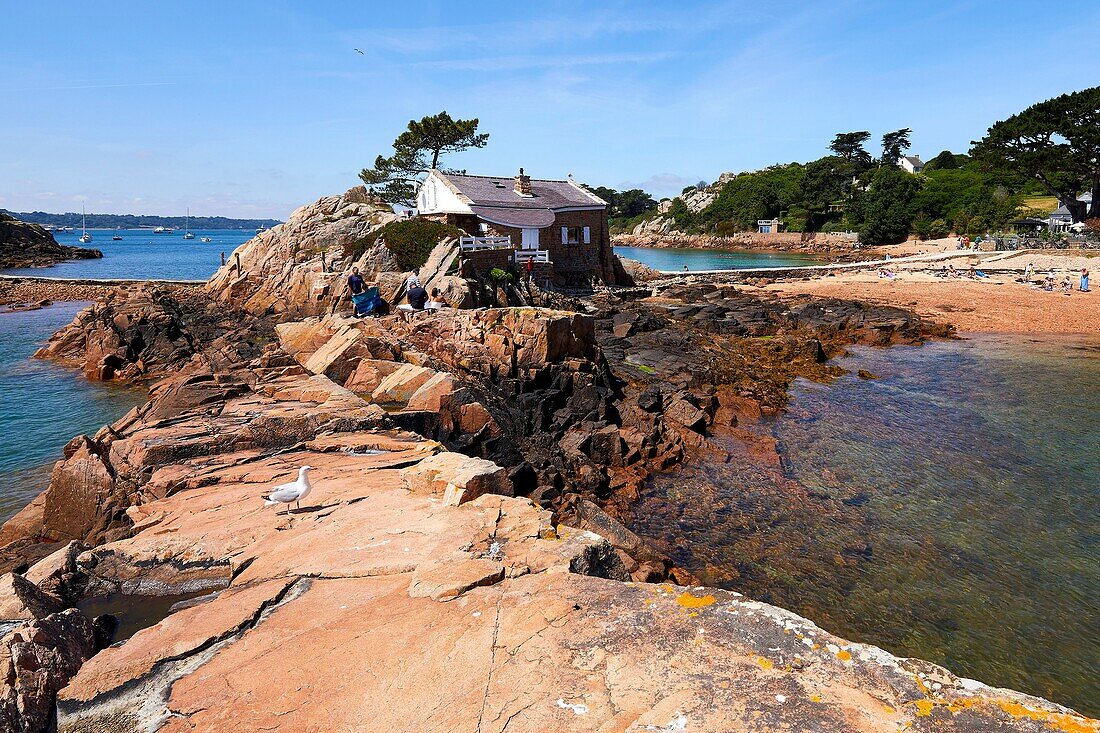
(530, 239)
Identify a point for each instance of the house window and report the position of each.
(530, 239)
(576, 235)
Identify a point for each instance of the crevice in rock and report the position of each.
(141, 704)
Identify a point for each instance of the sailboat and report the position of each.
(84, 236)
(187, 225)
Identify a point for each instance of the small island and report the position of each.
(23, 244)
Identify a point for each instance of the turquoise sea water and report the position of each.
(964, 520)
(144, 255)
(43, 405)
(714, 259)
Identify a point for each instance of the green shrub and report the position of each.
(499, 275)
(411, 241)
(728, 228)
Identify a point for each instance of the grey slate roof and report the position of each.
(498, 191)
(494, 198)
(515, 216)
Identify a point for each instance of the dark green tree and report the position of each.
(945, 161)
(624, 204)
(894, 145)
(1057, 142)
(884, 212)
(849, 145)
(417, 151)
(633, 202)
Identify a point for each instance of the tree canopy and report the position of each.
(624, 204)
(894, 145)
(416, 151)
(1057, 142)
(849, 145)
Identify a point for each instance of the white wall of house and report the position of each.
(435, 197)
(908, 166)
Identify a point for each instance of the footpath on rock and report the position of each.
(462, 563)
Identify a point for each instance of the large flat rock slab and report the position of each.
(553, 651)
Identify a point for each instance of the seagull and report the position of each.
(360, 52)
(294, 491)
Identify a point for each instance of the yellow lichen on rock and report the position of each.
(687, 600)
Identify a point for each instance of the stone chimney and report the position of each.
(523, 184)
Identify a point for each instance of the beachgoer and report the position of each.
(970, 272)
(417, 298)
(1067, 286)
(1028, 271)
(1084, 280)
(436, 301)
(529, 267)
(355, 281)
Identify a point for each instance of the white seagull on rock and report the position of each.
(291, 493)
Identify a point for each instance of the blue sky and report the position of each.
(254, 108)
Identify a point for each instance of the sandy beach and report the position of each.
(1001, 302)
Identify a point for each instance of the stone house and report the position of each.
(559, 225)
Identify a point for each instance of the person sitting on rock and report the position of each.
(355, 281)
(436, 301)
(417, 298)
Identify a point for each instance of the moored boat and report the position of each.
(84, 236)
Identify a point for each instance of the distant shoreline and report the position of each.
(140, 221)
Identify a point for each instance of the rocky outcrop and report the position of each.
(143, 331)
(518, 625)
(28, 245)
(297, 269)
(42, 645)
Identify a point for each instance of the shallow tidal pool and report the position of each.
(947, 509)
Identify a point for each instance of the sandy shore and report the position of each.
(999, 303)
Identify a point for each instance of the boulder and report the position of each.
(402, 384)
(79, 486)
(36, 660)
(682, 412)
(22, 600)
(457, 478)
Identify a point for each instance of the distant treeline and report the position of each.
(132, 221)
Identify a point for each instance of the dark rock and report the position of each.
(29, 245)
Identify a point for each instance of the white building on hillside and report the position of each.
(911, 163)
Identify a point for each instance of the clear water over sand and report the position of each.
(953, 511)
(714, 259)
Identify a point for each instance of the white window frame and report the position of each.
(579, 238)
(529, 238)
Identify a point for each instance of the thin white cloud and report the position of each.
(516, 63)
